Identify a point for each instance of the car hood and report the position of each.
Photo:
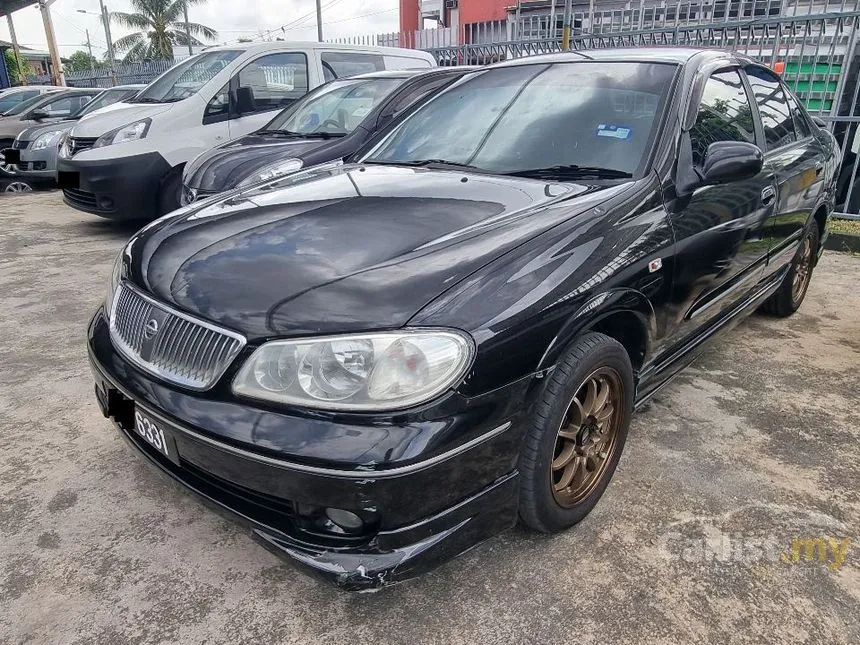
(115, 116)
(342, 248)
(224, 167)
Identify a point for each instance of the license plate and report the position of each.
(11, 156)
(153, 433)
(68, 179)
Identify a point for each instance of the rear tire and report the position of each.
(788, 298)
(577, 434)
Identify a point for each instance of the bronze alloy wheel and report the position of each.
(587, 437)
(802, 270)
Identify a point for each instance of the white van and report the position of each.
(126, 160)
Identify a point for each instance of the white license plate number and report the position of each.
(153, 434)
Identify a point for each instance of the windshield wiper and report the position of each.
(424, 163)
(307, 135)
(571, 171)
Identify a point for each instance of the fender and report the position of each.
(597, 309)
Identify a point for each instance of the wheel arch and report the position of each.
(625, 315)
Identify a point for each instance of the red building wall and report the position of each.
(483, 10)
(409, 15)
(470, 11)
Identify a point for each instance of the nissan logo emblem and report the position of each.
(150, 329)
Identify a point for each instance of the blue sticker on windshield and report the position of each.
(613, 131)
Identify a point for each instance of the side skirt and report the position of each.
(658, 375)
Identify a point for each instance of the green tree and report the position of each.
(82, 61)
(17, 66)
(162, 26)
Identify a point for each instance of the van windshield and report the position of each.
(186, 78)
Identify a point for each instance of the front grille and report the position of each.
(20, 145)
(78, 144)
(80, 198)
(170, 344)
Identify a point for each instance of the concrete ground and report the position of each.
(753, 447)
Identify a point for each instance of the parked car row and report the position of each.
(380, 361)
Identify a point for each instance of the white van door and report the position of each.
(264, 86)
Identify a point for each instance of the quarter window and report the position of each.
(219, 107)
(340, 64)
(276, 80)
(724, 114)
(773, 108)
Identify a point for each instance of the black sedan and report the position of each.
(378, 365)
(329, 123)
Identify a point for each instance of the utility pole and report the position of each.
(552, 30)
(15, 47)
(106, 23)
(319, 21)
(57, 76)
(187, 28)
(565, 37)
(92, 63)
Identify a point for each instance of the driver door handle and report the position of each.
(767, 195)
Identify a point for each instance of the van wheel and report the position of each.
(168, 196)
(787, 299)
(577, 434)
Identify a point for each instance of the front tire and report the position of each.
(577, 434)
(788, 298)
(169, 195)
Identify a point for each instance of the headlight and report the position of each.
(115, 277)
(130, 132)
(65, 146)
(361, 372)
(47, 139)
(270, 172)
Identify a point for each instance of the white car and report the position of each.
(126, 161)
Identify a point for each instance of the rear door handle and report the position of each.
(767, 195)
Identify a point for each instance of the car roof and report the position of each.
(307, 45)
(413, 73)
(677, 55)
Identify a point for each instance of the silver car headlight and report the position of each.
(271, 172)
(358, 372)
(130, 132)
(47, 139)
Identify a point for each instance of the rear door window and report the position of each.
(340, 64)
(772, 107)
(276, 80)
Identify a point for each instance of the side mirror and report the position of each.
(38, 115)
(821, 123)
(728, 161)
(245, 103)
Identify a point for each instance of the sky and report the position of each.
(232, 19)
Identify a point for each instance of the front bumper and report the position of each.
(441, 501)
(39, 164)
(122, 188)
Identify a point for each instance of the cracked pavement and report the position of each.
(754, 446)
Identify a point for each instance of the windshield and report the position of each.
(23, 106)
(108, 97)
(336, 108)
(571, 116)
(186, 78)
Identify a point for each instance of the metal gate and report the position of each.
(819, 55)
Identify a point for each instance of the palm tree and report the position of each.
(162, 25)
